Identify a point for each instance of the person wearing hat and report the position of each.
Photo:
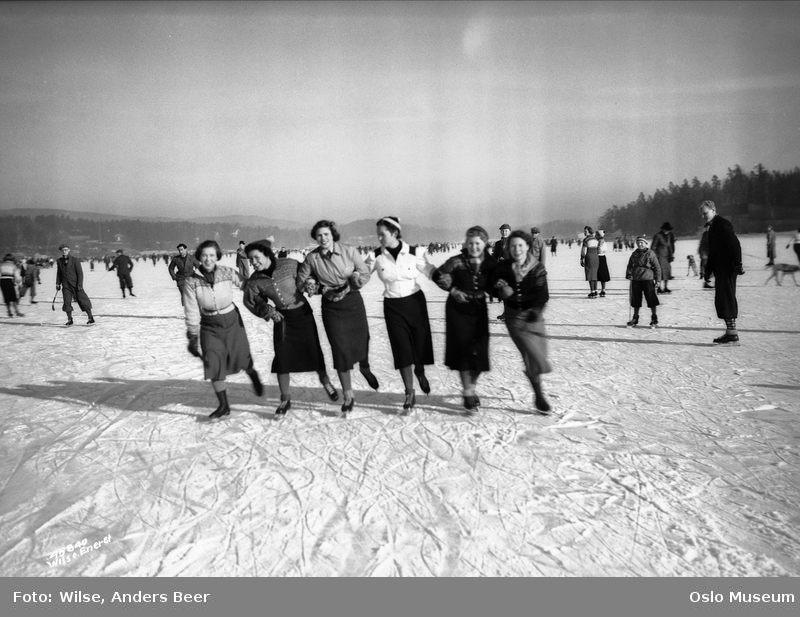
(123, 265)
(643, 271)
(725, 263)
(69, 279)
(241, 261)
(664, 247)
(10, 280)
(271, 293)
(467, 276)
(537, 246)
(500, 253)
(181, 266)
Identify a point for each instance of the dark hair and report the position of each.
(204, 245)
(241, 242)
(528, 238)
(8, 257)
(259, 245)
(182, 245)
(330, 225)
(589, 229)
(391, 227)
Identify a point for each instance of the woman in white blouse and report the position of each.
(405, 309)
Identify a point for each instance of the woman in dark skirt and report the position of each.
(590, 259)
(214, 324)
(522, 284)
(338, 271)
(295, 337)
(467, 277)
(404, 306)
(603, 275)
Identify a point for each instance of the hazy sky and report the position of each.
(439, 112)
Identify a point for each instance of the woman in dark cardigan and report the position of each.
(521, 282)
(467, 277)
(295, 336)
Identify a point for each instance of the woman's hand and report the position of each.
(277, 317)
(459, 296)
(504, 290)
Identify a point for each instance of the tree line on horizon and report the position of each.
(775, 194)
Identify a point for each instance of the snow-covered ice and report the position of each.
(669, 456)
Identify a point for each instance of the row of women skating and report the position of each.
(278, 288)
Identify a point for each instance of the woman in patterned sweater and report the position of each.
(295, 336)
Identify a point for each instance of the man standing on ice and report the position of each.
(241, 262)
(69, 275)
(181, 266)
(123, 265)
(725, 263)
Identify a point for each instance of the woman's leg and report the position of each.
(407, 375)
(220, 388)
(327, 385)
(283, 385)
(347, 385)
(540, 402)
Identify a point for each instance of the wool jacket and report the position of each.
(69, 272)
(530, 291)
(458, 273)
(724, 249)
(181, 267)
(278, 285)
(643, 266)
(200, 297)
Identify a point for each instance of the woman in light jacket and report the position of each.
(590, 260)
(213, 321)
(404, 306)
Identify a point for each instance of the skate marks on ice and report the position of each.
(672, 458)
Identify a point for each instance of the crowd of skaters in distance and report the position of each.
(276, 288)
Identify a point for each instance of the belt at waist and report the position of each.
(227, 309)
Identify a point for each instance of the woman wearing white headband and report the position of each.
(404, 306)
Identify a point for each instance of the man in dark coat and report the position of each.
(725, 263)
(181, 266)
(499, 252)
(123, 265)
(241, 262)
(69, 276)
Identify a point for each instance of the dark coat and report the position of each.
(498, 250)
(123, 265)
(181, 268)
(530, 292)
(69, 272)
(724, 250)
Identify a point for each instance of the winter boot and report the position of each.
(91, 318)
(69, 320)
(258, 387)
(223, 409)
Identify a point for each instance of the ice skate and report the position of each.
(633, 322)
(409, 403)
(653, 321)
(285, 406)
(727, 339)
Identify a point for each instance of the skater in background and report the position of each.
(405, 308)
(603, 275)
(499, 253)
(29, 280)
(521, 282)
(214, 324)
(590, 259)
(10, 281)
(553, 246)
(295, 338)
(69, 279)
(467, 276)
(537, 248)
(241, 261)
(702, 250)
(692, 265)
(771, 240)
(123, 265)
(795, 243)
(725, 263)
(338, 272)
(181, 266)
(664, 248)
(643, 272)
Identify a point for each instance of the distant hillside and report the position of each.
(89, 216)
(252, 220)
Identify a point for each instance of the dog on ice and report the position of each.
(780, 270)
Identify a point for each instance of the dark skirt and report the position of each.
(666, 268)
(529, 337)
(590, 263)
(467, 337)
(348, 333)
(602, 269)
(9, 290)
(409, 330)
(226, 350)
(296, 342)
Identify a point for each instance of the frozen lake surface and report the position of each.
(668, 456)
